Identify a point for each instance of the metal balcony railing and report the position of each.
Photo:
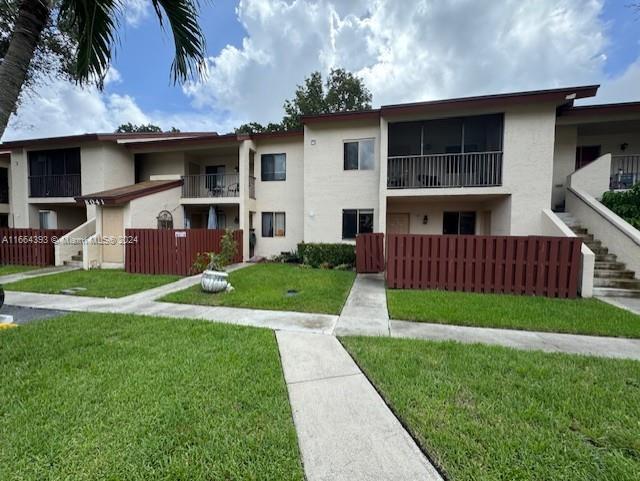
(210, 185)
(625, 171)
(471, 169)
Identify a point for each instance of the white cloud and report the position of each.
(62, 108)
(135, 11)
(623, 88)
(405, 52)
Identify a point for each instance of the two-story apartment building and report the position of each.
(476, 165)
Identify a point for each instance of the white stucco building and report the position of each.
(489, 165)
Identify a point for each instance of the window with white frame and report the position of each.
(359, 154)
(356, 221)
(273, 224)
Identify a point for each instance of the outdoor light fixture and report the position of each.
(624, 146)
(425, 219)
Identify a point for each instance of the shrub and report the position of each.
(331, 254)
(287, 258)
(217, 261)
(626, 204)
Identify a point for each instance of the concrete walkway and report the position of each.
(365, 312)
(46, 271)
(628, 303)
(528, 340)
(345, 430)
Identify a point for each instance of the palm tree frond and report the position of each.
(189, 42)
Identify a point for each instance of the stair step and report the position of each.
(612, 265)
(578, 230)
(606, 258)
(614, 292)
(73, 263)
(586, 237)
(600, 251)
(592, 243)
(613, 273)
(76, 258)
(617, 283)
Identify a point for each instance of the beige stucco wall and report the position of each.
(280, 196)
(142, 212)
(485, 209)
(564, 160)
(610, 143)
(328, 188)
(104, 165)
(161, 163)
(529, 133)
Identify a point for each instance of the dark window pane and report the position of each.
(467, 223)
(350, 155)
(405, 138)
(442, 136)
(349, 224)
(483, 133)
(267, 224)
(267, 167)
(274, 167)
(365, 222)
(450, 223)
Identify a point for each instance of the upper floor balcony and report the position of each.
(446, 153)
(54, 173)
(206, 186)
(472, 169)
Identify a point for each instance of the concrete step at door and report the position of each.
(615, 292)
(614, 273)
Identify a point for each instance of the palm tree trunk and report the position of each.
(32, 18)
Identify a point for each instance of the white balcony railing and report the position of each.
(214, 185)
(471, 169)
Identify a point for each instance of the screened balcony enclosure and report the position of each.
(54, 173)
(452, 152)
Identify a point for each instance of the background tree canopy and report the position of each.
(342, 92)
(142, 128)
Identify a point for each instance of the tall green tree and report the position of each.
(92, 28)
(341, 92)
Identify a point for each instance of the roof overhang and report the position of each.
(598, 112)
(122, 195)
(123, 138)
(560, 96)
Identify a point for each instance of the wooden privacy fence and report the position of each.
(541, 266)
(29, 247)
(370, 253)
(172, 251)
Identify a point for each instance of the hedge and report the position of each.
(327, 254)
(626, 204)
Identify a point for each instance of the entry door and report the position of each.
(398, 223)
(217, 180)
(585, 154)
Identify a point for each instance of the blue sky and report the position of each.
(259, 50)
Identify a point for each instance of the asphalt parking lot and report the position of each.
(24, 315)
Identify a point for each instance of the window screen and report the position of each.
(350, 155)
(267, 224)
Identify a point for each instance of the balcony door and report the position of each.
(459, 223)
(585, 154)
(215, 177)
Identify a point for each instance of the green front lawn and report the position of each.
(575, 316)
(99, 396)
(96, 283)
(265, 286)
(495, 414)
(15, 269)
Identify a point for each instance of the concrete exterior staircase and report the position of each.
(611, 278)
(76, 260)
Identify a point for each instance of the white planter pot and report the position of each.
(214, 281)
